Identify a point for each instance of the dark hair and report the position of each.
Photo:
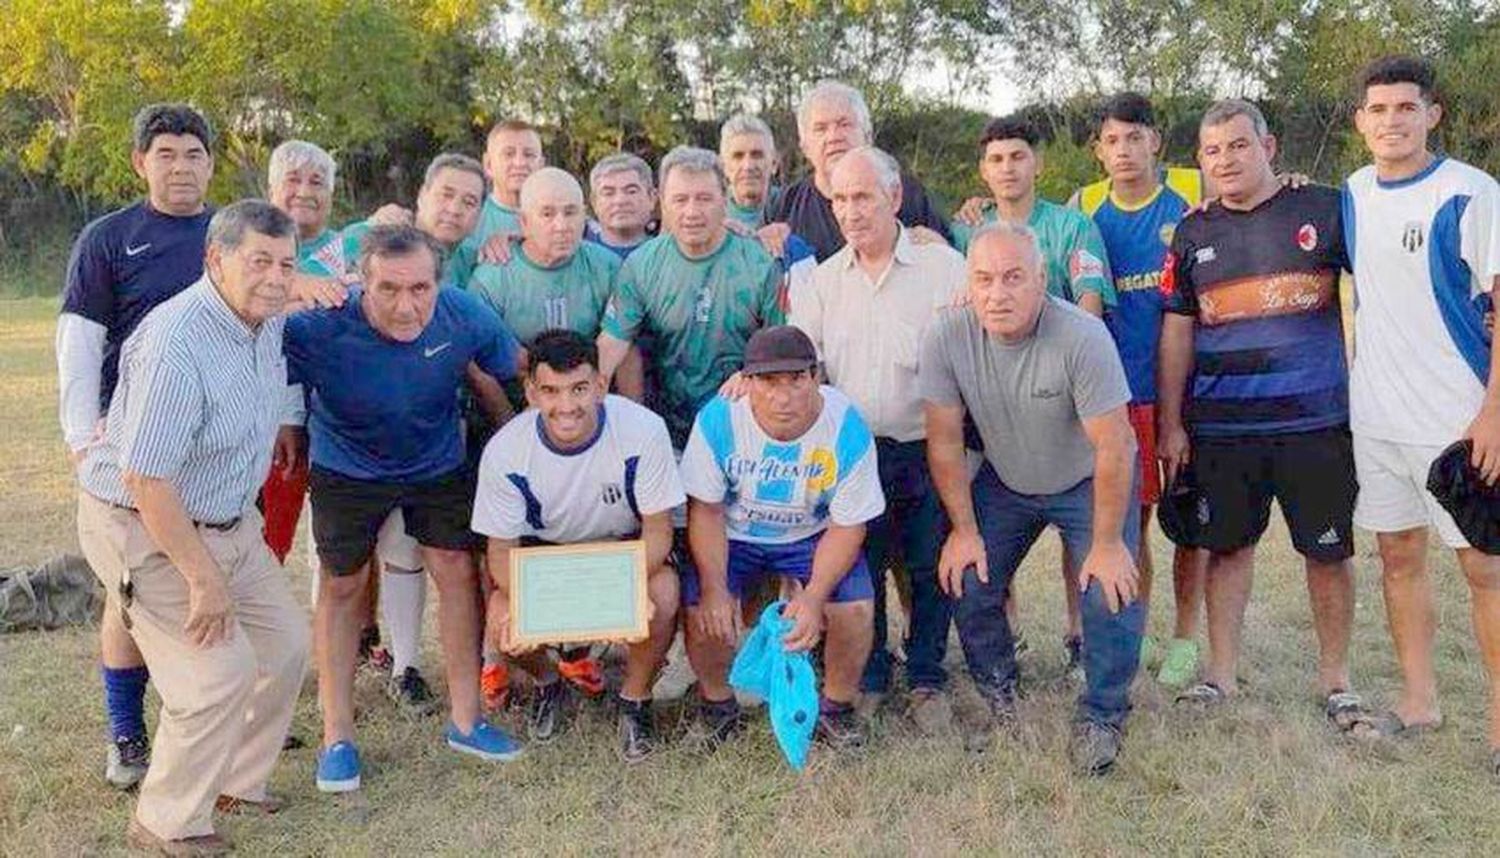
(388, 240)
(233, 222)
(1398, 68)
(1014, 127)
(154, 119)
(1131, 107)
(561, 350)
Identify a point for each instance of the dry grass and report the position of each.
(1263, 777)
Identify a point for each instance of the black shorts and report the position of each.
(347, 514)
(1310, 474)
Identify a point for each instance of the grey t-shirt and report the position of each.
(1028, 399)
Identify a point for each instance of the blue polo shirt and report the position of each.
(388, 411)
(123, 265)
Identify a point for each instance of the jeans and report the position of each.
(1009, 524)
(908, 535)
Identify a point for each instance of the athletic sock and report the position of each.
(403, 596)
(125, 700)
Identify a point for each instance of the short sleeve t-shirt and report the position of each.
(1028, 399)
(386, 410)
(532, 298)
(530, 487)
(493, 218)
(810, 214)
(1136, 238)
(1426, 252)
(123, 265)
(1263, 287)
(1071, 245)
(700, 313)
(779, 492)
(328, 255)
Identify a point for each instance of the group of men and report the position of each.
(812, 389)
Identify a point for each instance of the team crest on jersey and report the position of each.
(611, 494)
(1412, 238)
(1166, 232)
(1307, 237)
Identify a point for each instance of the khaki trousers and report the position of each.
(226, 709)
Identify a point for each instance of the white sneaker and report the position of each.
(676, 676)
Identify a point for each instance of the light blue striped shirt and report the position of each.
(200, 398)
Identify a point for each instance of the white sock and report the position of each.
(403, 596)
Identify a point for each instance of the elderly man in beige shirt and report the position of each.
(866, 311)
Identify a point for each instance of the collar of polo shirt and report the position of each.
(905, 252)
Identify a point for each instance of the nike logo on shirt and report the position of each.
(137, 251)
(435, 349)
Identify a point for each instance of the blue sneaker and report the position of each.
(486, 742)
(338, 768)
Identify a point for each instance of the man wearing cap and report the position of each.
(1047, 392)
(781, 482)
(866, 312)
(167, 520)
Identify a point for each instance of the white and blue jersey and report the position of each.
(779, 492)
(1425, 251)
(529, 487)
(384, 410)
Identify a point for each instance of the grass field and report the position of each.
(1261, 777)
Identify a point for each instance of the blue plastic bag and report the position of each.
(786, 680)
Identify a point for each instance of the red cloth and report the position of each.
(281, 504)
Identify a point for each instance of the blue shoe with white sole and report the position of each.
(338, 768)
(485, 742)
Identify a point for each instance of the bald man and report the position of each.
(553, 279)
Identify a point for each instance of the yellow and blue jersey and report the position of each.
(1137, 237)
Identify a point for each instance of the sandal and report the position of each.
(1204, 694)
(1387, 725)
(1344, 709)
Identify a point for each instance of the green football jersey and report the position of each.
(324, 256)
(1071, 243)
(493, 217)
(699, 313)
(751, 216)
(532, 299)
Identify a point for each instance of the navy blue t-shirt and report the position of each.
(810, 214)
(384, 410)
(123, 265)
(1263, 286)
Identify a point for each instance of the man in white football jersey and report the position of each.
(581, 466)
(1423, 231)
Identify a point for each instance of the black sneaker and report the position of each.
(839, 728)
(412, 693)
(718, 722)
(637, 731)
(1095, 747)
(546, 710)
(127, 761)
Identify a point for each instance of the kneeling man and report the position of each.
(781, 483)
(581, 466)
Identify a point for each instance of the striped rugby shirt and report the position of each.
(200, 398)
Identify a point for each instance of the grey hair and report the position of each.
(1007, 229)
(621, 162)
(1227, 109)
(230, 224)
(832, 90)
(745, 123)
(453, 161)
(387, 240)
(881, 161)
(532, 186)
(297, 155)
(693, 160)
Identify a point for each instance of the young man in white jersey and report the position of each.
(1423, 231)
(581, 466)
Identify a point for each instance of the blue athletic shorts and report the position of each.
(749, 562)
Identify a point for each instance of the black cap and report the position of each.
(1183, 511)
(1461, 491)
(783, 348)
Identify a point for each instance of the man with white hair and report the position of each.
(866, 311)
(831, 120)
(553, 279)
(1047, 392)
(622, 194)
